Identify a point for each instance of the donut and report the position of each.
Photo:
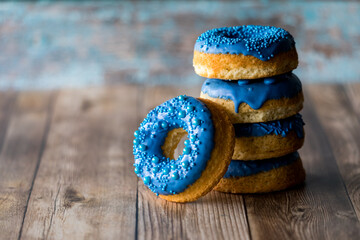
(206, 156)
(254, 141)
(263, 176)
(244, 52)
(266, 99)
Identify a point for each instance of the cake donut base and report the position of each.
(264, 147)
(239, 66)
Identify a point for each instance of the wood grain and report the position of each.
(6, 104)
(20, 156)
(339, 119)
(318, 210)
(85, 187)
(66, 172)
(215, 216)
(353, 91)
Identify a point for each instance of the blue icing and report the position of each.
(163, 175)
(279, 127)
(238, 168)
(262, 42)
(255, 92)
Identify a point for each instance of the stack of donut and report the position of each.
(249, 75)
(244, 131)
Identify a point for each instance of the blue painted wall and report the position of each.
(75, 44)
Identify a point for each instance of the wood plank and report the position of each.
(342, 127)
(215, 216)
(6, 103)
(20, 157)
(85, 187)
(353, 91)
(318, 210)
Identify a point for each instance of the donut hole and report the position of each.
(180, 147)
(174, 143)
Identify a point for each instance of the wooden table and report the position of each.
(66, 172)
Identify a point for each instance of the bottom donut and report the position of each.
(263, 176)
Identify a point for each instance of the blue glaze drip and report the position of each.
(238, 168)
(262, 42)
(163, 175)
(279, 127)
(256, 92)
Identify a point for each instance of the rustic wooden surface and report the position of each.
(66, 172)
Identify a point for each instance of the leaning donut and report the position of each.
(244, 52)
(205, 158)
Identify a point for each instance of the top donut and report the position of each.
(244, 52)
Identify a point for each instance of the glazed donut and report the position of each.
(206, 155)
(244, 52)
(263, 176)
(254, 141)
(263, 100)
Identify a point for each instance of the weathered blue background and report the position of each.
(76, 44)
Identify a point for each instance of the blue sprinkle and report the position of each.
(155, 169)
(185, 164)
(136, 133)
(190, 108)
(147, 180)
(166, 171)
(136, 141)
(182, 97)
(142, 147)
(171, 109)
(187, 142)
(137, 170)
(173, 166)
(175, 176)
(186, 150)
(155, 159)
(196, 122)
(164, 125)
(182, 114)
